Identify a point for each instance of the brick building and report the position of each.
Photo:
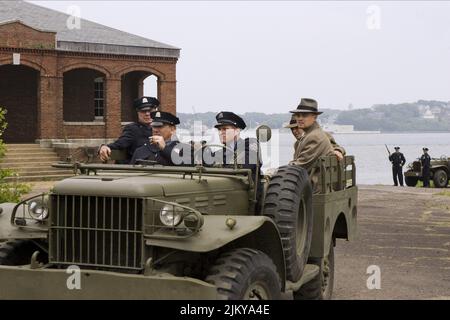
(61, 83)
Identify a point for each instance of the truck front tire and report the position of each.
(288, 203)
(18, 252)
(245, 274)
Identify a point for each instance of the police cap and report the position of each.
(146, 103)
(226, 117)
(161, 118)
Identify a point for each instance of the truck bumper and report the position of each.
(26, 283)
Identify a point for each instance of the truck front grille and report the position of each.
(96, 231)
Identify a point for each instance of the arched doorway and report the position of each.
(19, 87)
(136, 84)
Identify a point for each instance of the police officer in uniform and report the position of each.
(136, 134)
(398, 161)
(242, 151)
(163, 146)
(425, 160)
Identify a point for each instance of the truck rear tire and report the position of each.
(411, 181)
(245, 274)
(321, 287)
(440, 179)
(18, 252)
(288, 203)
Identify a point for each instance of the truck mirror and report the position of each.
(263, 133)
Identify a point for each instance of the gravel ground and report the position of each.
(406, 233)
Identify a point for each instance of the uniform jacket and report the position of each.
(134, 135)
(425, 160)
(311, 146)
(169, 156)
(397, 159)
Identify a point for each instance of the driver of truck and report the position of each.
(163, 147)
(235, 149)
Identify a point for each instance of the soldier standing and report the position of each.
(425, 160)
(398, 161)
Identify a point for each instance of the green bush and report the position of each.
(9, 191)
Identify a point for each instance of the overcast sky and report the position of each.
(265, 56)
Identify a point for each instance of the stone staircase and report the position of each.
(33, 163)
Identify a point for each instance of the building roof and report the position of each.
(91, 37)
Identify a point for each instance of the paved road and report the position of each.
(404, 231)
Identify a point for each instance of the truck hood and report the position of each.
(147, 185)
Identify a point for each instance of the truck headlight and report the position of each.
(38, 210)
(171, 215)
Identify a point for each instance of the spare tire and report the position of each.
(288, 202)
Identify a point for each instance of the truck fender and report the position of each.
(257, 232)
(8, 231)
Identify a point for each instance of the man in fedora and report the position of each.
(425, 160)
(136, 134)
(298, 133)
(314, 143)
(398, 161)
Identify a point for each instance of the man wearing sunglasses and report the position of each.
(136, 134)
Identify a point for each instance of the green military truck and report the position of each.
(153, 232)
(439, 172)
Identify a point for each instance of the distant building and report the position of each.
(59, 82)
(335, 128)
(428, 114)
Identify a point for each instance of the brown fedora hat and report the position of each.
(308, 106)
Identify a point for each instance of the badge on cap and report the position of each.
(144, 100)
(220, 115)
(158, 115)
